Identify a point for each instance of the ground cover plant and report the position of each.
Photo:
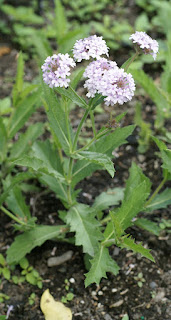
(63, 159)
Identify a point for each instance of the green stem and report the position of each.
(8, 213)
(67, 123)
(95, 138)
(156, 191)
(93, 122)
(131, 60)
(79, 128)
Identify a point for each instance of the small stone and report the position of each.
(72, 280)
(141, 157)
(100, 293)
(114, 290)
(153, 285)
(93, 293)
(116, 304)
(107, 317)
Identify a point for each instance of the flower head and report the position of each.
(94, 72)
(91, 47)
(56, 69)
(146, 43)
(106, 78)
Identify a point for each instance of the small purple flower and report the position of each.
(56, 69)
(146, 43)
(117, 86)
(94, 72)
(91, 47)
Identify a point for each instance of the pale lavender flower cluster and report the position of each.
(94, 72)
(146, 43)
(106, 78)
(91, 47)
(56, 69)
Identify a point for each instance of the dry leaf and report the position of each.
(54, 310)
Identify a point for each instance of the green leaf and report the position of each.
(26, 140)
(24, 264)
(166, 157)
(22, 113)
(25, 242)
(18, 86)
(105, 145)
(154, 93)
(5, 106)
(3, 141)
(6, 273)
(2, 260)
(148, 225)
(161, 145)
(73, 96)
(60, 20)
(136, 192)
(15, 180)
(57, 118)
(40, 166)
(109, 198)
(16, 203)
(98, 158)
(162, 200)
(31, 279)
(101, 263)
(45, 151)
(136, 177)
(129, 244)
(81, 219)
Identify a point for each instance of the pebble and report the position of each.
(107, 317)
(100, 293)
(153, 285)
(114, 290)
(116, 304)
(72, 280)
(56, 261)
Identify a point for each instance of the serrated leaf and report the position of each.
(57, 118)
(162, 200)
(98, 158)
(22, 113)
(105, 145)
(135, 178)
(15, 180)
(161, 145)
(100, 264)
(81, 220)
(129, 244)
(26, 140)
(25, 242)
(136, 193)
(148, 225)
(39, 166)
(109, 198)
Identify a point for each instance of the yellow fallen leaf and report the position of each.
(54, 310)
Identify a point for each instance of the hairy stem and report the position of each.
(12, 216)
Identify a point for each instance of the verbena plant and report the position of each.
(60, 163)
